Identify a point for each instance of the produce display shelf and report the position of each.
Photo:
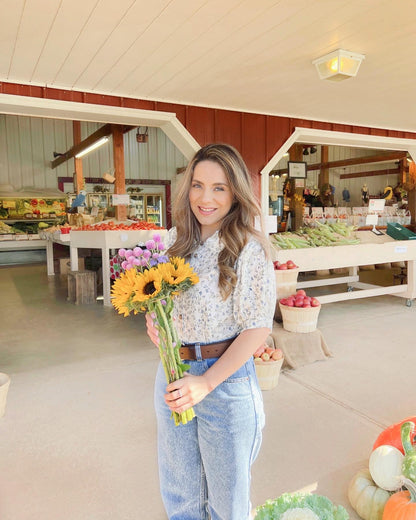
(104, 240)
(371, 250)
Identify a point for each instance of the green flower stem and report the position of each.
(169, 355)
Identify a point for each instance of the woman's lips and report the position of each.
(206, 211)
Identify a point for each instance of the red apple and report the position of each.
(265, 356)
(301, 292)
(277, 354)
(315, 302)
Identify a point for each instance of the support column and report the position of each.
(324, 172)
(296, 200)
(78, 175)
(411, 193)
(119, 172)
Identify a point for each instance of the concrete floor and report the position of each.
(78, 436)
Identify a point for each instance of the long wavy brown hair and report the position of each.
(236, 227)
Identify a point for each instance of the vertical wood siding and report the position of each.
(27, 145)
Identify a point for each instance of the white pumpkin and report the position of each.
(386, 467)
(299, 513)
(366, 498)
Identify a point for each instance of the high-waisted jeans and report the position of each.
(205, 465)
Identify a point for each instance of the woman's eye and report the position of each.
(219, 188)
(196, 185)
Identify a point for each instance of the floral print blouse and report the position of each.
(200, 312)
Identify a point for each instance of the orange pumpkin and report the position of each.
(392, 435)
(402, 505)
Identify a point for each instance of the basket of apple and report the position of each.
(268, 362)
(299, 312)
(286, 278)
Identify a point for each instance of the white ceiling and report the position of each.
(252, 55)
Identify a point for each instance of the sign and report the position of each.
(121, 200)
(296, 169)
(376, 204)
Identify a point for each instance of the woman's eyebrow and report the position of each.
(214, 184)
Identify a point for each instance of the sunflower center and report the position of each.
(149, 288)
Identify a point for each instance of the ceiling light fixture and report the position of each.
(92, 147)
(312, 149)
(338, 65)
(305, 151)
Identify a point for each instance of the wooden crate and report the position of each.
(82, 287)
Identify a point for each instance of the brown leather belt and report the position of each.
(212, 350)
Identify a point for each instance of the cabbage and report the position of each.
(320, 505)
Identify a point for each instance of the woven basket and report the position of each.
(4, 387)
(268, 373)
(299, 319)
(286, 281)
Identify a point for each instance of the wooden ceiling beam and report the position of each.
(374, 173)
(104, 131)
(390, 156)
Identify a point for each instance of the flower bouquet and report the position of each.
(149, 283)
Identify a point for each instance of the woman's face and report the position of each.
(210, 196)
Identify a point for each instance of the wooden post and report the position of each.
(120, 182)
(324, 172)
(296, 200)
(411, 193)
(78, 176)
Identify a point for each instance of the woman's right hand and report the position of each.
(152, 331)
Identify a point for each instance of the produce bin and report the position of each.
(268, 373)
(299, 319)
(399, 232)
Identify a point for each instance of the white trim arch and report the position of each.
(327, 137)
(74, 111)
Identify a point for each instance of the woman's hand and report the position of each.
(152, 331)
(186, 392)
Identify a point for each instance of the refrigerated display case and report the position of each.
(149, 207)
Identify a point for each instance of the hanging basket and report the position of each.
(299, 319)
(268, 373)
(4, 388)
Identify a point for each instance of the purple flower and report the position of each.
(156, 237)
(137, 251)
(122, 252)
(163, 302)
(124, 264)
(150, 244)
(128, 253)
(143, 262)
(137, 261)
(155, 255)
(152, 262)
(161, 246)
(163, 259)
(147, 254)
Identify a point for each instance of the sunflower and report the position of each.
(124, 288)
(149, 285)
(176, 271)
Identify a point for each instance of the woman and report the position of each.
(204, 465)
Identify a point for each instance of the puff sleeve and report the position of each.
(255, 293)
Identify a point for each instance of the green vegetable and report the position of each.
(320, 505)
(409, 461)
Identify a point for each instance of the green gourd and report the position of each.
(409, 461)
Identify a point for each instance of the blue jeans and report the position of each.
(205, 465)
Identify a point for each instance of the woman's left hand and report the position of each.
(186, 392)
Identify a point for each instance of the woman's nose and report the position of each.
(206, 195)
